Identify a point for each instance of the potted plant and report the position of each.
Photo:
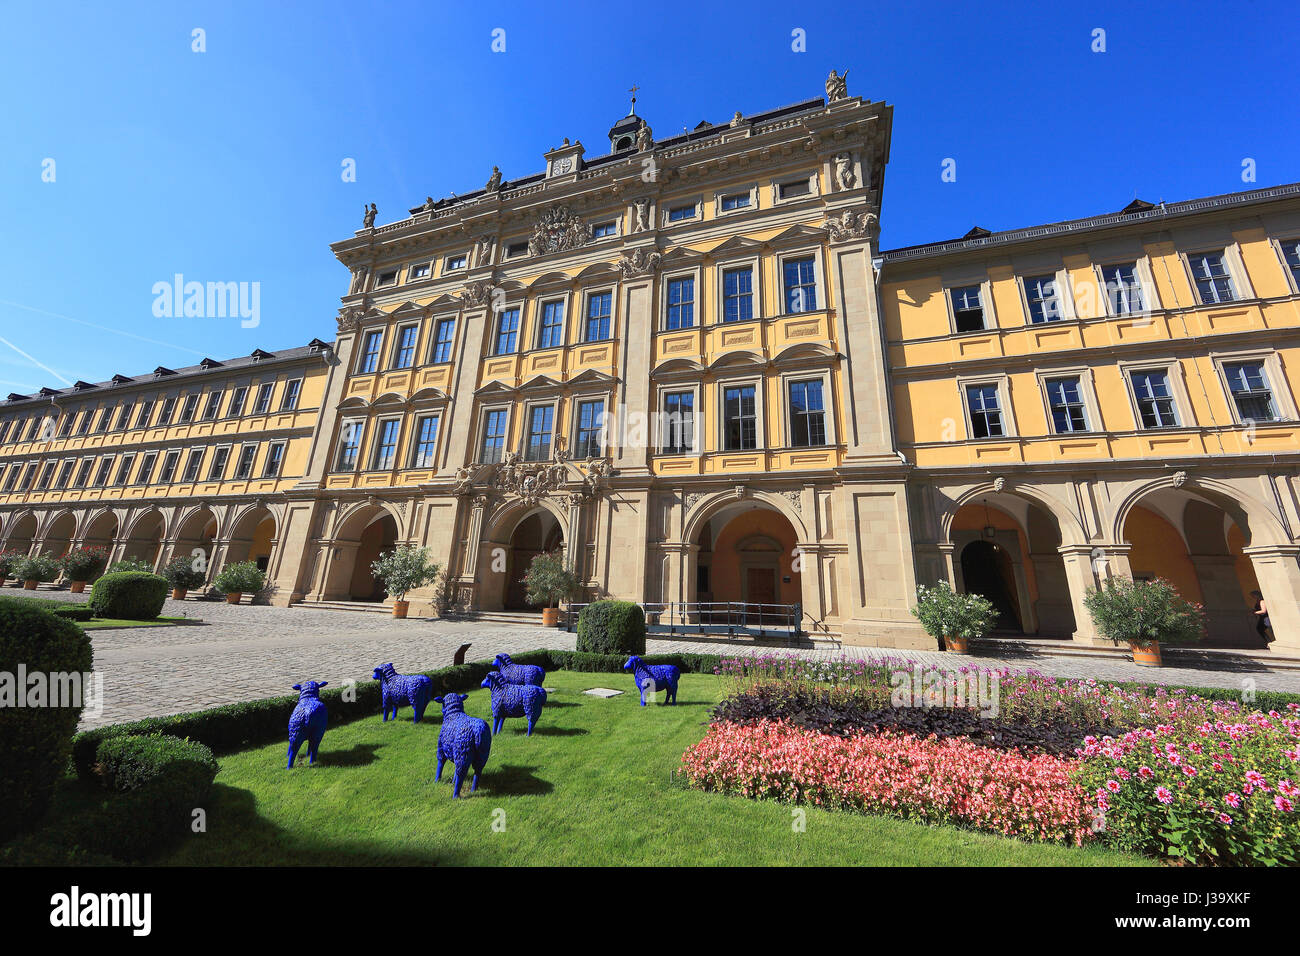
(7, 561)
(404, 569)
(548, 582)
(238, 579)
(131, 564)
(952, 619)
(1144, 614)
(182, 576)
(36, 568)
(82, 564)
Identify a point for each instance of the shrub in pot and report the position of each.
(139, 565)
(129, 595)
(612, 627)
(404, 569)
(35, 741)
(182, 576)
(36, 569)
(7, 561)
(548, 582)
(953, 619)
(238, 579)
(82, 564)
(1144, 614)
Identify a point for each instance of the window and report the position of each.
(47, 477)
(1155, 399)
(541, 423)
(168, 473)
(213, 406)
(800, 187)
(65, 429)
(386, 278)
(349, 442)
(1248, 383)
(146, 413)
(219, 458)
(291, 390)
(680, 213)
(237, 399)
(1066, 405)
(985, 413)
(807, 413)
(507, 332)
(735, 201)
(740, 418)
(83, 473)
(12, 480)
(603, 229)
(443, 333)
(800, 284)
(146, 468)
(4, 431)
(453, 263)
(188, 409)
(681, 303)
(168, 409)
(263, 403)
(124, 469)
(104, 420)
(244, 466)
(516, 249)
(591, 423)
(1044, 304)
(29, 478)
(494, 436)
(192, 465)
(66, 473)
(426, 440)
(370, 352)
(678, 428)
(124, 416)
(274, 460)
(86, 418)
(552, 331)
(1210, 273)
(404, 356)
(738, 295)
(967, 308)
(599, 306)
(1291, 256)
(418, 271)
(1123, 290)
(386, 444)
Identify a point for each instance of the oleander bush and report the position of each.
(82, 564)
(7, 561)
(1144, 612)
(36, 567)
(181, 574)
(129, 595)
(612, 627)
(240, 577)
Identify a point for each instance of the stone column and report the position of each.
(573, 537)
(219, 548)
(1079, 575)
(1277, 567)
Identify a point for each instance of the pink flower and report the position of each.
(1224, 818)
(1146, 773)
(1112, 786)
(1282, 803)
(1163, 795)
(1233, 799)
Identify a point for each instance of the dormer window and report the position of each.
(603, 229)
(453, 263)
(386, 278)
(516, 249)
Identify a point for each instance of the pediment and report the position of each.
(735, 246)
(798, 233)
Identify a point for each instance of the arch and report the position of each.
(744, 555)
(551, 278)
(361, 533)
(136, 522)
(1069, 527)
(100, 529)
(187, 519)
(804, 350)
(734, 357)
(21, 532)
(510, 514)
(253, 535)
(986, 569)
(59, 532)
(710, 504)
(1252, 515)
(145, 535)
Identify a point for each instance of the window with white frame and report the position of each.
(985, 410)
(105, 420)
(220, 456)
(188, 409)
(292, 389)
(807, 413)
(29, 479)
(1291, 259)
(47, 477)
(65, 427)
(729, 202)
(590, 439)
(349, 442)
(83, 472)
(426, 441)
(1210, 273)
(274, 460)
(244, 464)
(1123, 288)
(1065, 403)
(602, 230)
(263, 403)
(541, 426)
(369, 360)
(105, 468)
(193, 464)
(494, 436)
(677, 423)
(146, 468)
(1155, 399)
(88, 416)
(507, 338)
(124, 416)
(237, 399)
(738, 294)
(146, 412)
(799, 281)
(124, 470)
(681, 303)
(421, 270)
(551, 331)
(453, 263)
(404, 351)
(385, 444)
(170, 463)
(681, 213)
(65, 475)
(213, 405)
(739, 418)
(599, 310)
(443, 335)
(967, 308)
(1042, 298)
(1248, 383)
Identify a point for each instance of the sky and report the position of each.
(128, 156)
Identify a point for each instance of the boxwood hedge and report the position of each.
(129, 596)
(612, 627)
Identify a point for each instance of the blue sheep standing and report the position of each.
(307, 722)
(650, 678)
(513, 700)
(464, 740)
(399, 689)
(519, 673)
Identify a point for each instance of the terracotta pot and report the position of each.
(76, 587)
(958, 645)
(178, 594)
(550, 616)
(30, 585)
(400, 608)
(1148, 656)
(2, 582)
(234, 598)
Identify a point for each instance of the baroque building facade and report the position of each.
(686, 364)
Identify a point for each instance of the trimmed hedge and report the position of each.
(129, 596)
(69, 612)
(612, 627)
(34, 741)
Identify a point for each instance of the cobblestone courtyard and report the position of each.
(245, 652)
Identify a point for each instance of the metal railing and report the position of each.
(718, 618)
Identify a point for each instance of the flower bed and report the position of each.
(934, 780)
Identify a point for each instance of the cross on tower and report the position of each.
(633, 92)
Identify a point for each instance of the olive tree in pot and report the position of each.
(182, 576)
(36, 569)
(548, 582)
(952, 619)
(82, 564)
(404, 569)
(238, 579)
(1144, 614)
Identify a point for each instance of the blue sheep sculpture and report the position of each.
(651, 678)
(464, 740)
(307, 722)
(399, 689)
(519, 673)
(513, 700)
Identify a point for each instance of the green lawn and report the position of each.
(590, 787)
(108, 623)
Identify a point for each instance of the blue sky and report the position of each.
(226, 165)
